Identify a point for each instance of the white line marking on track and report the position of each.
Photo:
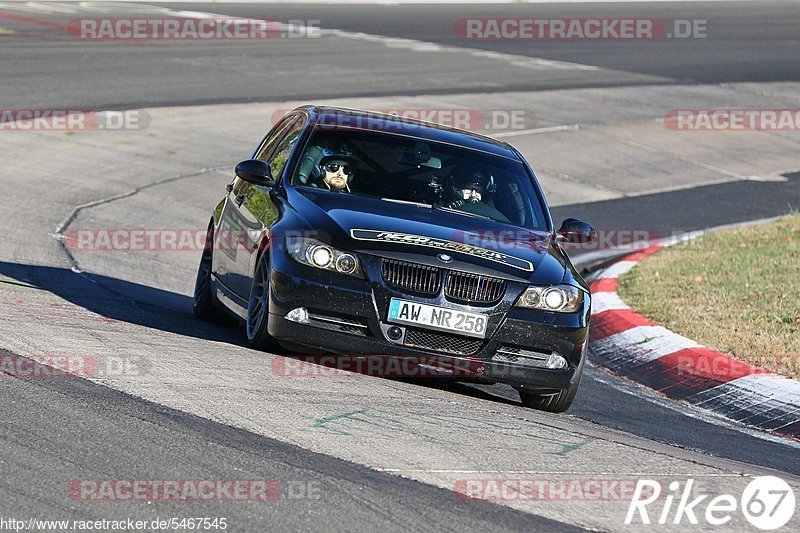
(534, 131)
(550, 472)
(515, 60)
(774, 176)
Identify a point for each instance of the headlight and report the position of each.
(314, 253)
(559, 298)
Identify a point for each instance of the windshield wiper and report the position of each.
(450, 210)
(418, 204)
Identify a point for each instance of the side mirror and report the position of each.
(256, 172)
(576, 231)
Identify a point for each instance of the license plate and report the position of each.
(441, 318)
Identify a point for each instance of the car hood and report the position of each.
(419, 234)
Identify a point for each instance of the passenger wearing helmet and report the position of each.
(470, 189)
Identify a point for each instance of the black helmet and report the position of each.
(470, 177)
(335, 153)
(342, 153)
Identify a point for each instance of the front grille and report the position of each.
(515, 354)
(442, 342)
(411, 276)
(473, 288)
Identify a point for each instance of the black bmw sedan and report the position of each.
(361, 234)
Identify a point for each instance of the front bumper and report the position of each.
(349, 318)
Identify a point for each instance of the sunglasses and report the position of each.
(334, 167)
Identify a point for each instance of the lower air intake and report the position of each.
(442, 342)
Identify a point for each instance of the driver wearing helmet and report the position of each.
(336, 168)
(328, 167)
(470, 189)
(337, 174)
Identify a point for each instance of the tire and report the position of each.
(258, 307)
(204, 303)
(554, 402)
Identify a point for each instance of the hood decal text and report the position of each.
(441, 244)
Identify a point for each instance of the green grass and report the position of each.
(736, 291)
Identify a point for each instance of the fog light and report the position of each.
(299, 315)
(394, 333)
(556, 361)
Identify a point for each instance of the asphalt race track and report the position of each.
(174, 398)
(737, 49)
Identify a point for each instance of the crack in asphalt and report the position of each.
(61, 228)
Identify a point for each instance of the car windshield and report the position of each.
(404, 169)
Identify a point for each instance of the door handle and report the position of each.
(239, 200)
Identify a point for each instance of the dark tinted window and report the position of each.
(274, 137)
(283, 150)
(397, 167)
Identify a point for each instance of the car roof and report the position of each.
(420, 129)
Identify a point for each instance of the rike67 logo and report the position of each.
(767, 503)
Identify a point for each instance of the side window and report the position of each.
(280, 156)
(241, 187)
(272, 140)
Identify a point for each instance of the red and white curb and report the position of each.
(630, 345)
